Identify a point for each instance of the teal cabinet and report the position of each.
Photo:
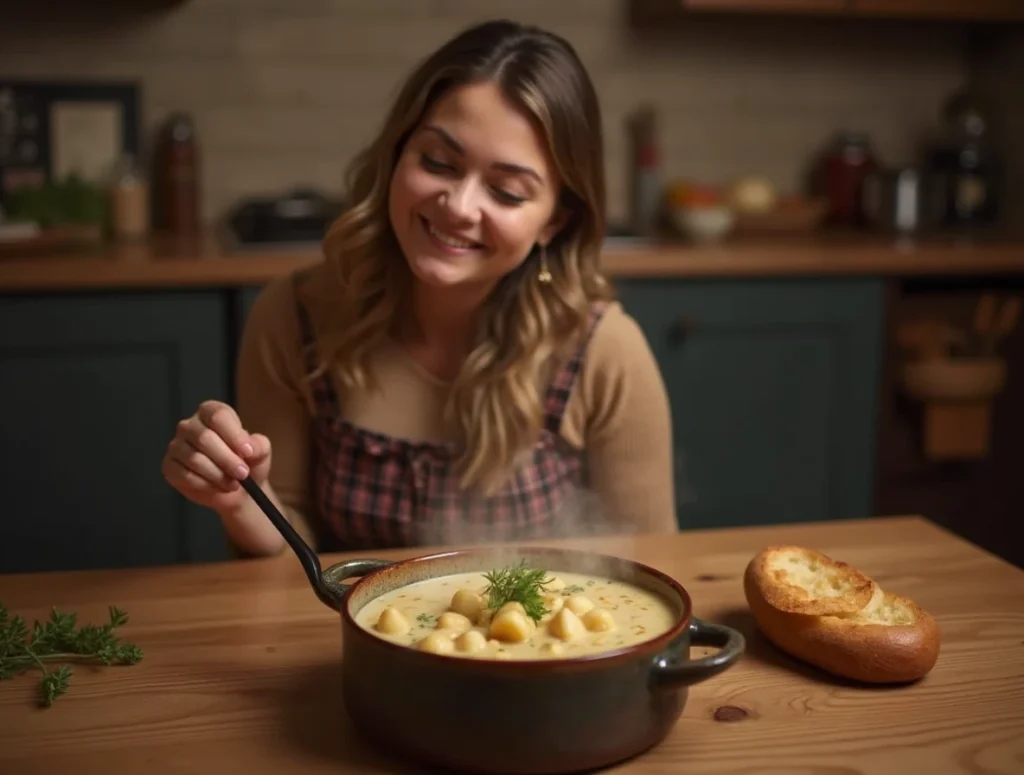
(773, 387)
(91, 387)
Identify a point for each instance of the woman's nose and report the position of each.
(461, 202)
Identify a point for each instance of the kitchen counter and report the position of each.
(241, 668)
(205, 262)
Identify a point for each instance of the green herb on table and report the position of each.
(60, 640)
(518, 584)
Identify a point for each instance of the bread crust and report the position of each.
(779, 584)
(886, 639)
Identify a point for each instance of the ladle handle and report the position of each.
(328, 594)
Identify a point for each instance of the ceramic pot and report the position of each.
(515, 717)
(510, 717)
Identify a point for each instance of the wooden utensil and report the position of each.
(994, 322)
(927, 339)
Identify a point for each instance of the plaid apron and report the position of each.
(374, 491)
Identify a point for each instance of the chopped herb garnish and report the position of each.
(60, 639)
(518, 584)
(427, 620)
(572, 589)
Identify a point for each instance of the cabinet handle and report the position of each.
(682, 328)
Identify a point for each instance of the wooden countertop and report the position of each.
(205, 262)
(241, 669)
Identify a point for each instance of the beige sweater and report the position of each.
(618, 412)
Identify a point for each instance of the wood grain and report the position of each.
(241, 669)
(166, 263)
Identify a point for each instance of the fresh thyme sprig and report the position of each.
(518, 584)
(58, 639)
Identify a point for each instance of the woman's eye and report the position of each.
(508, 197)
(437, 166)
(433, 164)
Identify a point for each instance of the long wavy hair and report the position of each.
(497, 399)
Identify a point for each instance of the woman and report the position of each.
(455, 370)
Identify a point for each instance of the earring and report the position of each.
(544, 276)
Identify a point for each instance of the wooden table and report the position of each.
(241, 670)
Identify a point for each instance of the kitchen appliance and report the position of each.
(966, 158)
(299, 217)
(515, 717)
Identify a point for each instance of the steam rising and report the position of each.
(579, 515)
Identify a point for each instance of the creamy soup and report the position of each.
(565, 615)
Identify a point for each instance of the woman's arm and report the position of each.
(272, 400)
(627, 430)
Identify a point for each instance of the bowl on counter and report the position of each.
(704, 224)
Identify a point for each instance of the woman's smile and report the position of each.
(446, 241)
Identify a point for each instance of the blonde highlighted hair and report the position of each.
(497, 399)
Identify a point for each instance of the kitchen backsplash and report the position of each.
(284, 93)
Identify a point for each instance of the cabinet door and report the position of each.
(773, 391)
(91, 387)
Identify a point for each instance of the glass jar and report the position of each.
(849, 161)
(129, 201)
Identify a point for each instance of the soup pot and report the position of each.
(511, 717)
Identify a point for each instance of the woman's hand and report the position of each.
(211, 453)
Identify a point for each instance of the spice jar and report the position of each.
(129, 201)
(847, 164)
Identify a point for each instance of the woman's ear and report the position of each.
(555, 225)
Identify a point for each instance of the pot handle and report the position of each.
(668, 674)
(334, 575)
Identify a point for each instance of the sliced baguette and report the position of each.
(831, 615)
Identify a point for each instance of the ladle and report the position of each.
(329, 592)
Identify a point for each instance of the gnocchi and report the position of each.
(512, 626)
(450, 620)
(571, 615)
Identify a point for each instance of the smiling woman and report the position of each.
(456, 370)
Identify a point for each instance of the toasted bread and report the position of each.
(803, 581)
(831, 615)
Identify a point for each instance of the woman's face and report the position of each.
(473, 191)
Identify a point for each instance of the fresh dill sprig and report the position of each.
(59, 639)
(518, 584)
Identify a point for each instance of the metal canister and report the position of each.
(904, 199)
